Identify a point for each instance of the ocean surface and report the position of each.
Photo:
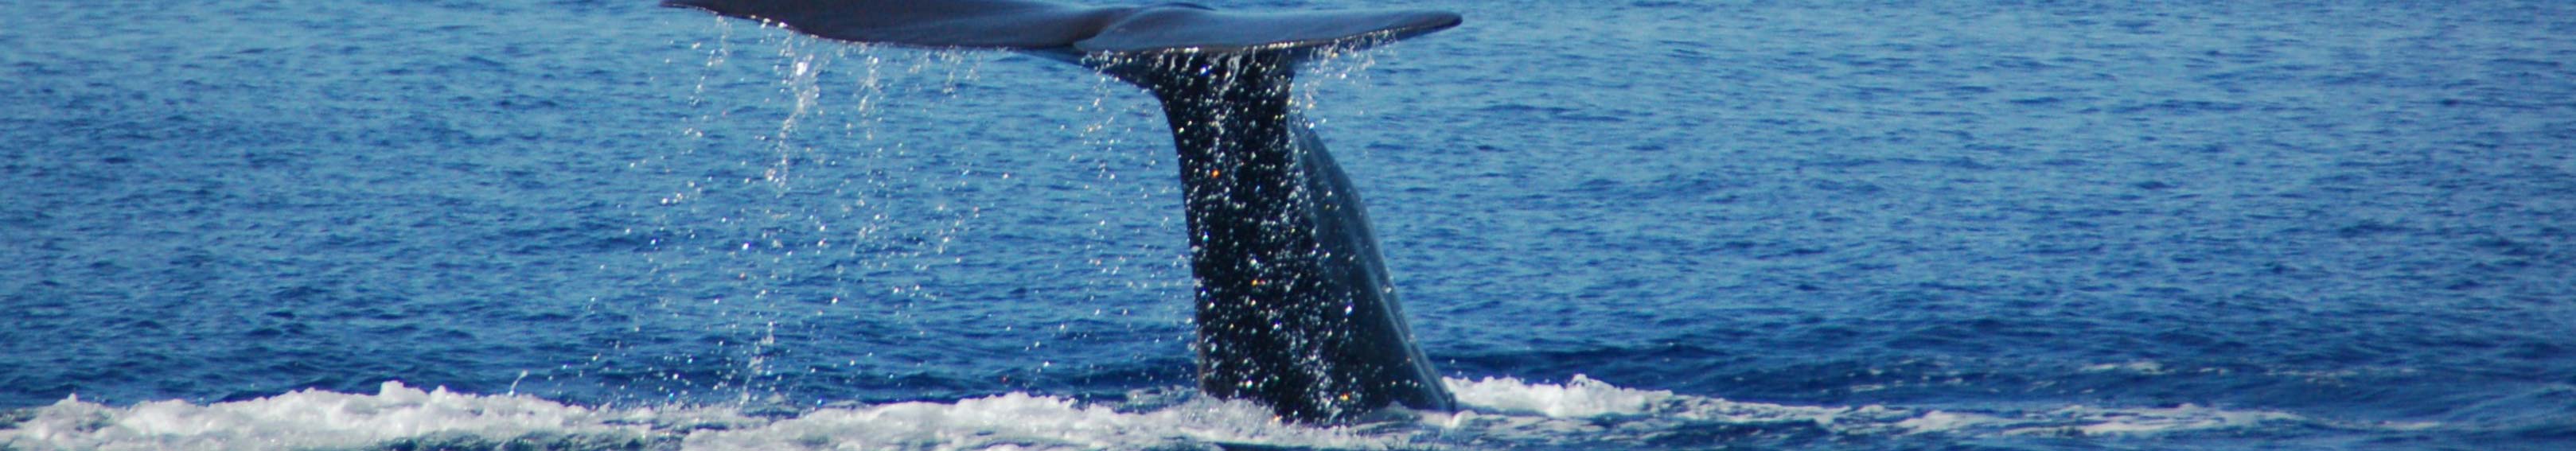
(1624, 225)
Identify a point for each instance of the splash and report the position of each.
(786, 200)
(1498, 413)
(310, 419)
(402, 417)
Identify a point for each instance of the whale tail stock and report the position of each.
(1295, 309)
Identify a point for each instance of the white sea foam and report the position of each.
(1584, 406)
(2097, 421)
(2145, 367)
(319, 419)
(1578, 398)
(1585, 409)
(1021, 421)
(2079, 420)
(1497, 411)
(304, 419)
(1587, 398)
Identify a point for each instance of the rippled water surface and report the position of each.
(1615, 225)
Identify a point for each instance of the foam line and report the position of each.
(1494, 411)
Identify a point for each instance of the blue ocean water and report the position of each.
(1617, 225)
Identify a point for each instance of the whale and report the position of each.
(1295, 309)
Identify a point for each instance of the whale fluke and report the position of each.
(1047, 27)
(1295, 308)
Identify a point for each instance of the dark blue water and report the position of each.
(1957, 225)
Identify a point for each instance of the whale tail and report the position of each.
(1295, 309)
(1040, 27)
